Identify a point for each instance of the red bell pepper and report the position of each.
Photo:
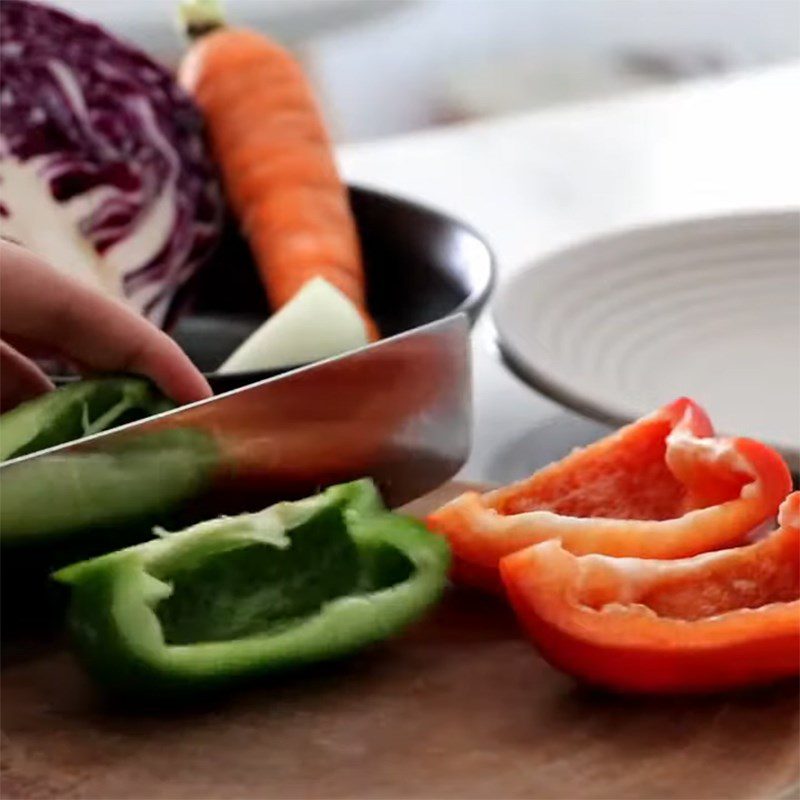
(715, 621)
(662, 487)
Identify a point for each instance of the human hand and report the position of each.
(46, 313)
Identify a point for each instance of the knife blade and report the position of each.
(398, 411)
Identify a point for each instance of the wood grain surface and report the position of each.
(459, 707)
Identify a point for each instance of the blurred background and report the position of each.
(384, 67)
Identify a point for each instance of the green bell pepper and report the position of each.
(64, 507)
(76, 410)
(135, 481)
(238, 597)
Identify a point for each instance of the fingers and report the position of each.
(53, 311)
(21, 378)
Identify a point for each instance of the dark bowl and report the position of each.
(420, 266)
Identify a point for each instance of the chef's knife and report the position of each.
(398, 411)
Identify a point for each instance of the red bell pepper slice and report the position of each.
(662, 487)
(715, 621)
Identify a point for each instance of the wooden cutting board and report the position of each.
(459, 707)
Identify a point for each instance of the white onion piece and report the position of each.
(319, 322)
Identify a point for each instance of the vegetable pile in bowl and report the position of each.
(108, 170)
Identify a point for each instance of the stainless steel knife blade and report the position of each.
(398, 411)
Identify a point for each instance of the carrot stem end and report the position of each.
(199, 17)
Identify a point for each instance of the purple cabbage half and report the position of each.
(104, 169)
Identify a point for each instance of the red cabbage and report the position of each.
(104, 168)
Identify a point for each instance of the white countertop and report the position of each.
(536, 182)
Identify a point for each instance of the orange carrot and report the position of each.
(276, 159)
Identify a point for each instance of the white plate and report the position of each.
(708, 308)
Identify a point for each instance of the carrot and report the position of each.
(275, 156)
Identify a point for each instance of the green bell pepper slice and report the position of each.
(133, 482)
(76, 410)
(239, 597)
